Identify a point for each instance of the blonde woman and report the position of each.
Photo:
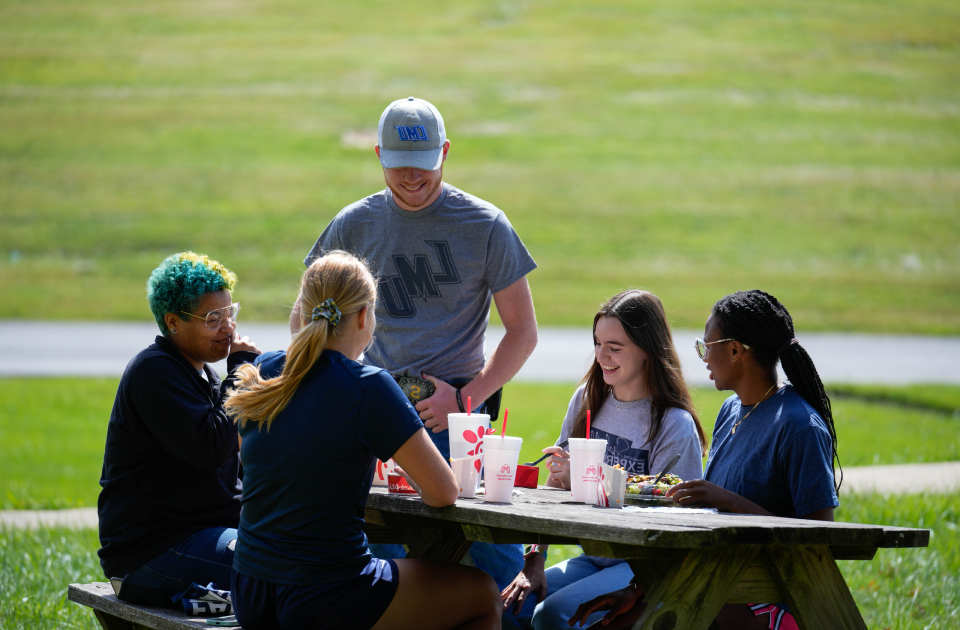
(313, 422)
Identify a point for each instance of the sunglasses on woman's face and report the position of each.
(701, 346)
(218, 317)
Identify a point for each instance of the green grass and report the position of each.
(693, 149)
(943, 398)
(905, 589)
(52, 433)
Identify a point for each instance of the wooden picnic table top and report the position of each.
(550, 512)
(688, 563)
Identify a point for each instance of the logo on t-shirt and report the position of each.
(620, 451)
(416, 279)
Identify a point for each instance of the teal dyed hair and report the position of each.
(180, 282)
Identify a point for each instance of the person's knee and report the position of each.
(552, 613)
(487, 592)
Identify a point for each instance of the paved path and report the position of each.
(29, 348)
(943, 477)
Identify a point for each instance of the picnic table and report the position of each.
(688, 562)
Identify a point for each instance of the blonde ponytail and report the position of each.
(338, 276)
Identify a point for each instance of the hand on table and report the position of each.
(699, 493)
(531, 579)
(434, 410)
(617, 602)
(242, 344)
(558, 464)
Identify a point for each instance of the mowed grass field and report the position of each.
(811, 149)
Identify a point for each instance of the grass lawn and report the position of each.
(810, 149)
(52, 432)
(907, 589)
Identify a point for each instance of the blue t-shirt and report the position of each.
(306, 480)
(781, 457)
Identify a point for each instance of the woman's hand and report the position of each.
(617, 602)
(559, 466)
(531, 579)
(243, 344)
(703, 494)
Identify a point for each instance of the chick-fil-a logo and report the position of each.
(476, 438)
(602, 499)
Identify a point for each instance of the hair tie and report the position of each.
(787, 345)
(327, 310)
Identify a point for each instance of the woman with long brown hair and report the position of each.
(313, 422)
(641, 407)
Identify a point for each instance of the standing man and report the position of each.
(440, 255)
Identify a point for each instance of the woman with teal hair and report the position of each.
(170, 499)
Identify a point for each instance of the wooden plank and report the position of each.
(500, 536)
(853, 553)
(550, 513)
(695, 588)
(109, 622)
(813, 587)
(605, 549)
(756, 585)
(379, 535)
(444, 545)
(374, 517)
(647, 573)
(117, 615)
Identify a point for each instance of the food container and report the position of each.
(398, 485)
(527, 476)
(612, 486)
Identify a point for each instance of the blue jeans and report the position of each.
(204, 557)
(573, 582)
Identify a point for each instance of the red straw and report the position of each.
(588, 423)
(469, 405)
(504, 430)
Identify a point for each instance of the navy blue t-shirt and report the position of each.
(781, 457)
(306, 481)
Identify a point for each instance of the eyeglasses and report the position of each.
(215, 318)
(701, 346)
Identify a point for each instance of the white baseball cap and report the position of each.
(411, 134)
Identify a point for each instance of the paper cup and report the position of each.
(382, 470)
(500, 467)
(585, 459)
(467, 433)
(467, 473)
(612, 486)
(398, 485)
(466, 436)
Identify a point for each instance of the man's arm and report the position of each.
(515, 306)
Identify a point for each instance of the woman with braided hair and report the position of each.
(773, 444)
(313, 422)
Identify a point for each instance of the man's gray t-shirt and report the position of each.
(626, 426)
(437, 270)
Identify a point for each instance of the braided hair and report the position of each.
(759, 320)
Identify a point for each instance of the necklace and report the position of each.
(762, 398)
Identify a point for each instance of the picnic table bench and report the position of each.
(689, 563)
(114, 614)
